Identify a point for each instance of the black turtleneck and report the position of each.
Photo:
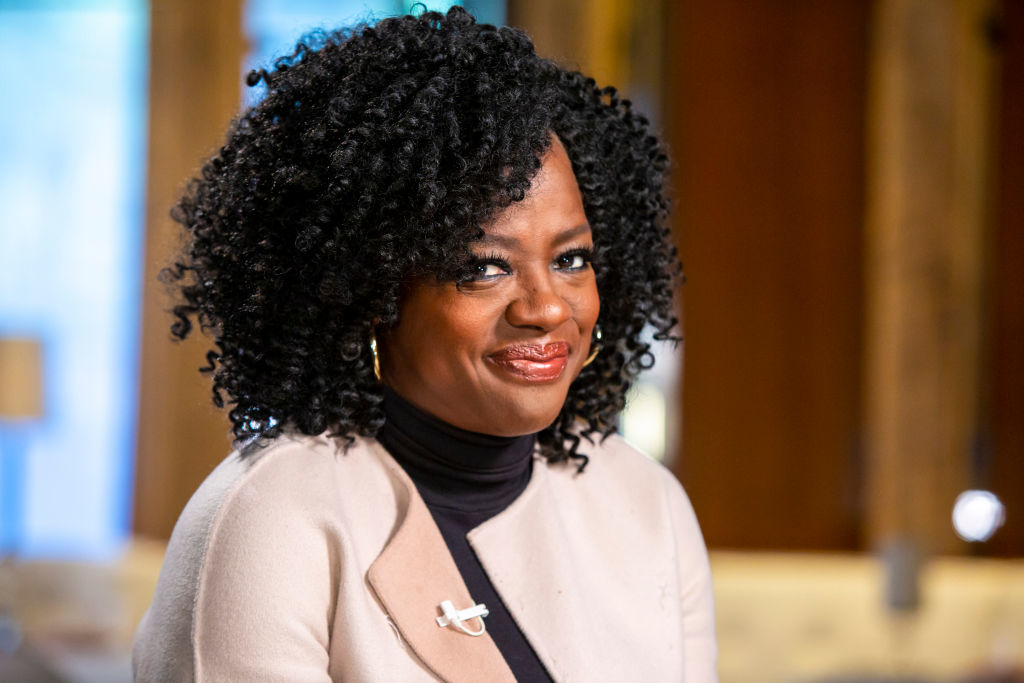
(466, 478)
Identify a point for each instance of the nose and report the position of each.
(538, 304)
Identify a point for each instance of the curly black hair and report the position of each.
(375, 155)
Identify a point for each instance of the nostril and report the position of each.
(540, 309)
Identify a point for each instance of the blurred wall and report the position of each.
(1003, 458)
(765, 113)
(849, 218)
(72, 175)
(196, 51)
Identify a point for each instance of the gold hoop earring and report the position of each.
(596, 344)
(376, 356)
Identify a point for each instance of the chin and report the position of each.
(525, 417)
(526, 405)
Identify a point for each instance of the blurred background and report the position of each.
(847, 411)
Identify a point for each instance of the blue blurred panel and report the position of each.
(275, 26)
(72, 182)
(417, 6)
(487, 11)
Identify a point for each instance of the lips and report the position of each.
(533, 362)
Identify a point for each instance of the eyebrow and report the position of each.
(513, 242)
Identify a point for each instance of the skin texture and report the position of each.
(496, 353)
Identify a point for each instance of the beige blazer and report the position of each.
(302, 562)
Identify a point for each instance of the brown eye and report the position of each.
(577, 259)
(486, 268)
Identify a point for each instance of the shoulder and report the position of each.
(288, 485)
(644, 503)
(256, 536)
(622, 482)
(621, 487)
(618, 470)
(289, 477)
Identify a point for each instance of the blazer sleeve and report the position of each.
(246, 590)
(698, 608)
(264, 600)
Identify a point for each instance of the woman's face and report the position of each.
(496, 353)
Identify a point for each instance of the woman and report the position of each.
(428, 258)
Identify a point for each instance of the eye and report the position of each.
(486, 268)
(575, 259)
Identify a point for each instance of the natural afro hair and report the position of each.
(374, 156)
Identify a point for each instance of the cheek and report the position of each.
(468, 329)
(456, 328)
(587, 305)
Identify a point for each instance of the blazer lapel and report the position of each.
(412, 576)
(527, 553)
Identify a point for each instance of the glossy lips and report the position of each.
(533, 362)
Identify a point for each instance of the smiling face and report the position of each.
(496, 353)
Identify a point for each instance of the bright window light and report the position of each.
(72, 183)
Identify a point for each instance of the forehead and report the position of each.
(552, 208)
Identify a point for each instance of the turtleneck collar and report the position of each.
(451, 467)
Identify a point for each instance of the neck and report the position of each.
(452, 466)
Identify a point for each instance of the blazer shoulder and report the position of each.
(616, 462)
(261, 486)
(628, 477)
(622, 482)
(625, 469)
(277, 490)
(266, 476)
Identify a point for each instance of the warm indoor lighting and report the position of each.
(21, 383)
(977, 514)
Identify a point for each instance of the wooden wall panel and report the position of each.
(1005, 471)
(765, 116)
(591, 35)
(196, 50)
(616, 42)
(927, 232)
